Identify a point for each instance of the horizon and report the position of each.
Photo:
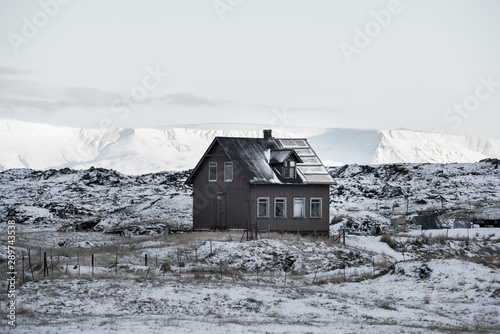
(234, 126)
(426, 66)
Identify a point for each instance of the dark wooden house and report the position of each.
(260, 184)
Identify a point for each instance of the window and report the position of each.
(263, 207)
(280, 207)
(228, 171)
(299, 207)
(316, 207)
(289, 170)
(212, 172)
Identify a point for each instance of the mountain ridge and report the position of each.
(147, 150)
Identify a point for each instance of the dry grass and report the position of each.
(386, 238)
(386, 304)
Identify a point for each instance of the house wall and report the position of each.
(233, 205)
(219, 205)
(289, 223)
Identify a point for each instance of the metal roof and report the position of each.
(255, 158)
(311, 168)
(280, 156)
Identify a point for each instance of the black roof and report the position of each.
(254, 159)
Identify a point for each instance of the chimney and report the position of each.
(268, 134)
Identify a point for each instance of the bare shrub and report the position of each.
(424, 271)
(386, 305)
(386, 238)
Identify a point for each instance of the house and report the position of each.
(261, 184)
(429, 219)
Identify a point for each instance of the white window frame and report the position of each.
(228, 164)
(303, 202)
(212, 164)
(266, 201)
(276, 199)
(320, 199)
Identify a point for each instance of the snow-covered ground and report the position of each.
(363, 287)
(435, 281)
(376, 193)
(79, 199)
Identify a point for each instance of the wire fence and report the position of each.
(195, 261)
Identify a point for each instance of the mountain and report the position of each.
(346, 146)
(148, 150)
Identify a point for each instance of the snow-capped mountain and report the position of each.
(148, 150)
(347, 146)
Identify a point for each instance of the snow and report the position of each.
(433, 281)
(420, 295)
(376, 193)
(65, 198)
(373, 244)
(148, 150)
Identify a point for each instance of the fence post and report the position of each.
(51, 263)
(179, 261)
(146, 259)
(92, 264)
(78, 262)
(116, 261)
(45, 267)
(23, 266)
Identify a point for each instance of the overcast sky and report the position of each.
(425, 65)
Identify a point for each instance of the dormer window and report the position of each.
(289, 169)
(285, 163)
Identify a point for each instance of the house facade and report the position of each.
(261, 184)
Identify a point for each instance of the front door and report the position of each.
(220, 211)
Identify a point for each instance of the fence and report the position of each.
(193, 261)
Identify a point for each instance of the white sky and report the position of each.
(266, 61)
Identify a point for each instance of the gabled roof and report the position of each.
(254, 159)
(280, 156)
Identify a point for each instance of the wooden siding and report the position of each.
(290, 224)
(219, 205)
(233, 205)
